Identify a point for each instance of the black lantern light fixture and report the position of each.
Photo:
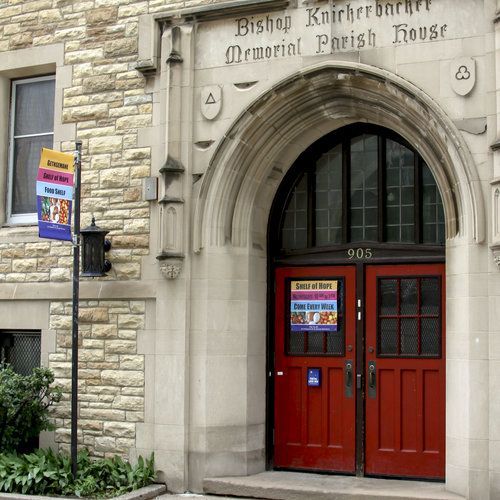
(94, 245)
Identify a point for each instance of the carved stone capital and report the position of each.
(170, 270)
(495, 249)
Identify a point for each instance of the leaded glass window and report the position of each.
(399, 193)
(328, 203)
(295, 223)
(363, 188)
(362, 184)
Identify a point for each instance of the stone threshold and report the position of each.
(146, 493)
(278, 485)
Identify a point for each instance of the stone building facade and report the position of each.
(194, 117)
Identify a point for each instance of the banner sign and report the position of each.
(54, 190)
(313, 306)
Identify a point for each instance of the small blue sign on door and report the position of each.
(314, 377)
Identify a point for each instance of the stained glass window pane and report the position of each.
(294, 231)
(399, 193)
(364, 188)
(432, 209)
(328, 209)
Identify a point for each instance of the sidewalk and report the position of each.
(193, 496)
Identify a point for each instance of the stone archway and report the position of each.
(231, 211)
(267, 137)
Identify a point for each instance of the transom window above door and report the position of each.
(361, 184)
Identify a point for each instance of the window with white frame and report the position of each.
(31, 129)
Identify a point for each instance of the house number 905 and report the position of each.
(359, 253)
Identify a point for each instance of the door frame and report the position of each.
(387, 254)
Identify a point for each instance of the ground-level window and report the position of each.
(31, 128)
(21, 350)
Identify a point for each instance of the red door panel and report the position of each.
(314, 426)
(405, 396)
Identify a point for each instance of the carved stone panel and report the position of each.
(495, 220)
(463, 75)
(171, 234)
(211, 101)
(495, 206)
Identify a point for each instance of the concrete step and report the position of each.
(278, 485)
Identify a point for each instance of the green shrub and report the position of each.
(47, 473)
(24, 403)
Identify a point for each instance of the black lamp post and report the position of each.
(94, 245)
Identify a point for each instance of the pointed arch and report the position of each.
(250, 161)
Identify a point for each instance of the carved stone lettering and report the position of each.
(341, 26)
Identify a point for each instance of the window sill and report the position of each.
(19, 233)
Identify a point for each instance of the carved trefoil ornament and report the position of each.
(211, 101)
(463, 75)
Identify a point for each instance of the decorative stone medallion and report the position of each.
(211, 101)
(463, 75)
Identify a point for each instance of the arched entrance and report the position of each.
(232, 203)
(356, 246)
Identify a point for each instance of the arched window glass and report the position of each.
(432, 207)
(399, 193)
(328, 199)
(362, 187)
(294, 232)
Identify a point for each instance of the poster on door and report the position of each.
(313, 305)
(54, 189)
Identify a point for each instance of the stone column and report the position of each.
(494, 282)
(167, 341)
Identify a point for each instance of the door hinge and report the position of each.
(359, 380)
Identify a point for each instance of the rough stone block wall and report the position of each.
(108, 101)
(111, 374)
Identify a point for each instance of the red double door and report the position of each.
(398, 394)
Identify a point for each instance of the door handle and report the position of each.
(372, 379)
(348, 378)
(371, 376)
